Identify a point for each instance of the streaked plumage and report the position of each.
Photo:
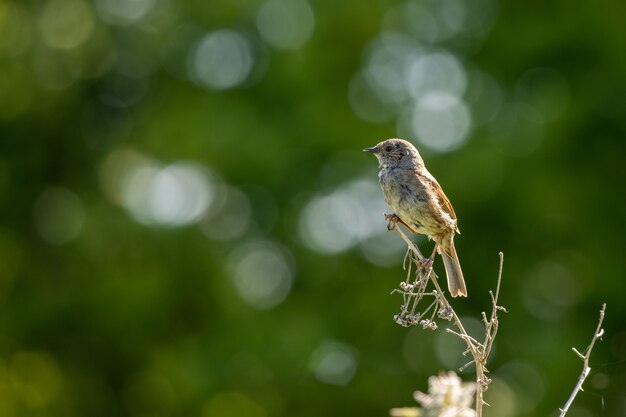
(418, 200)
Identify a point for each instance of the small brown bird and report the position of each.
(419, 203)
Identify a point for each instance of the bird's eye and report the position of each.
(388, 148)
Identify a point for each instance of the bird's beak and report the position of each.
(371, 150)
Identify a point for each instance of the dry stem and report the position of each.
(414, 292)
(585, 358)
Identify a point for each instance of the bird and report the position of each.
(419, 203)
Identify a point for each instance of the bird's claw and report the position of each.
(392, 220)
(426, 263)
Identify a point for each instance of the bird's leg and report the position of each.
(393, 219)
(427, 262)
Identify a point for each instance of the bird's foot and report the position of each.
(426, 263)
(393, 219)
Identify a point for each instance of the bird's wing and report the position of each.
(429, 181)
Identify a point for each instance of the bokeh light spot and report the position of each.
(176, 195)
(417, 18)
(123, 12)
(323, 224)
(437, 72)
(543, 282)
(338, 221)
(366, 103)
(451, 17)
(600, 381)
(439, 121)
(479, 17)
(286, 24)
(527, 383)
(334, 362)
(58, 215)
(66, 24)
(116, 168)
(261, 273)
(383, 249)
(220, 60)
(389, 60)
(502, 399)
(179, 194)
(408, 74)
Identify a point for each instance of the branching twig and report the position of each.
(585, 358)
(414, 292)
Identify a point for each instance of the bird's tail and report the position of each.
(456, 283)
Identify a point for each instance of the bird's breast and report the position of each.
(399, 191)
(408, 199)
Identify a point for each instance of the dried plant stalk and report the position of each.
(413, 292)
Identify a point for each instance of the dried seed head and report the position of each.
(445, 313)
(428, 324)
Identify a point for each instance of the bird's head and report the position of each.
(396, 153)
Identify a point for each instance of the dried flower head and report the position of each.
(428, 324)
(445, 313)
(447, 396)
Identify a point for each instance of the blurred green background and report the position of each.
(189, 226)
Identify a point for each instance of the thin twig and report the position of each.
(491, 329)
(479, 351)
(586, 369)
